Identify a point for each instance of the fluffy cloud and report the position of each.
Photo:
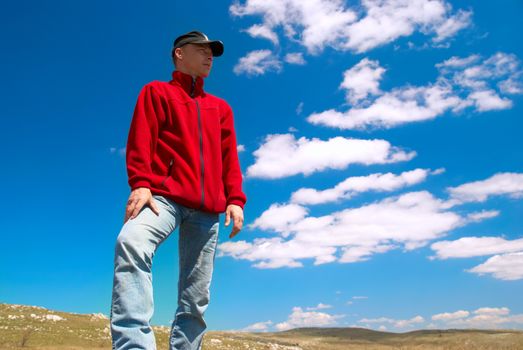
(320, 22)
(258, 62)
(262, 31)
(482, 215)
(487, 100)
(505, 264)
(295, 58)
(316, 24)
(395, 323)
(476, 246)
(510, 184)
(283, 155)
(449, 28)
(451, 315)
(358, 184)
(507, 267)
(492, 311)
(362, 80)
(462, 83)
(258, 327)
(485, 317)
(408, 221)
(279, 217)
(274, 253)
(320, 306)
(299, 318)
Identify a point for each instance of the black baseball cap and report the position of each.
(196, 37)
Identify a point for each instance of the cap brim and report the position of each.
(216, 46)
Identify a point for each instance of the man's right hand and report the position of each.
(139, 197)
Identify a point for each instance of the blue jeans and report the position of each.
(132, 300)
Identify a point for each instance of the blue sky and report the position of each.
(380, 146)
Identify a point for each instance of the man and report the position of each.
(183, 171)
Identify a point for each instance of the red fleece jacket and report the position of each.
(182, 145)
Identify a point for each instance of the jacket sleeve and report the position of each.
(231, 172)
(149, 115)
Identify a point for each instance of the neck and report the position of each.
(186, 71)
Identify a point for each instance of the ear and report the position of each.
(178, 53)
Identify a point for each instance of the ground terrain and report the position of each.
(31, 327)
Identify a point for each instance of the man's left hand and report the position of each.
(236, 212)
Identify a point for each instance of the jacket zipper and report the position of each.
(201, 143)
(169, 171)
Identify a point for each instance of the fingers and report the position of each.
(138, 207)
(227, 217)
(131, 203)
(138, 198)
(238, 224)
(153, 206)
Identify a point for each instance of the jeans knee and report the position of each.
(132, 250)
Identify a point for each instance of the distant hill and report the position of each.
(32, 327)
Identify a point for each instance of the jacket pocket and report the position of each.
(168, 171)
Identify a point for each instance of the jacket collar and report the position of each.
(191, 87)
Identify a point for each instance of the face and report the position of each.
(194, 59)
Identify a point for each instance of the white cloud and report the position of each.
(319, 22)
(258, 327)
(358, 184)
(399, 106)
(299, 318)
(487, 100)
(501, 311)
(275, 252)
(485, 317)
(320, 306)
(462, 83)
(283, 155)
(449, 28)
(362, 80)
(467, 247)
(458, 62)
(316, 24)
(511, 85)
(482, 215)
(361, 253)
(507, 267)
(240, 148)
(279, 217)
(409, 221)
(396, 323)
(510, 184)
(295, 58)
(257, 63)
(262, 31)
(450, 315)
